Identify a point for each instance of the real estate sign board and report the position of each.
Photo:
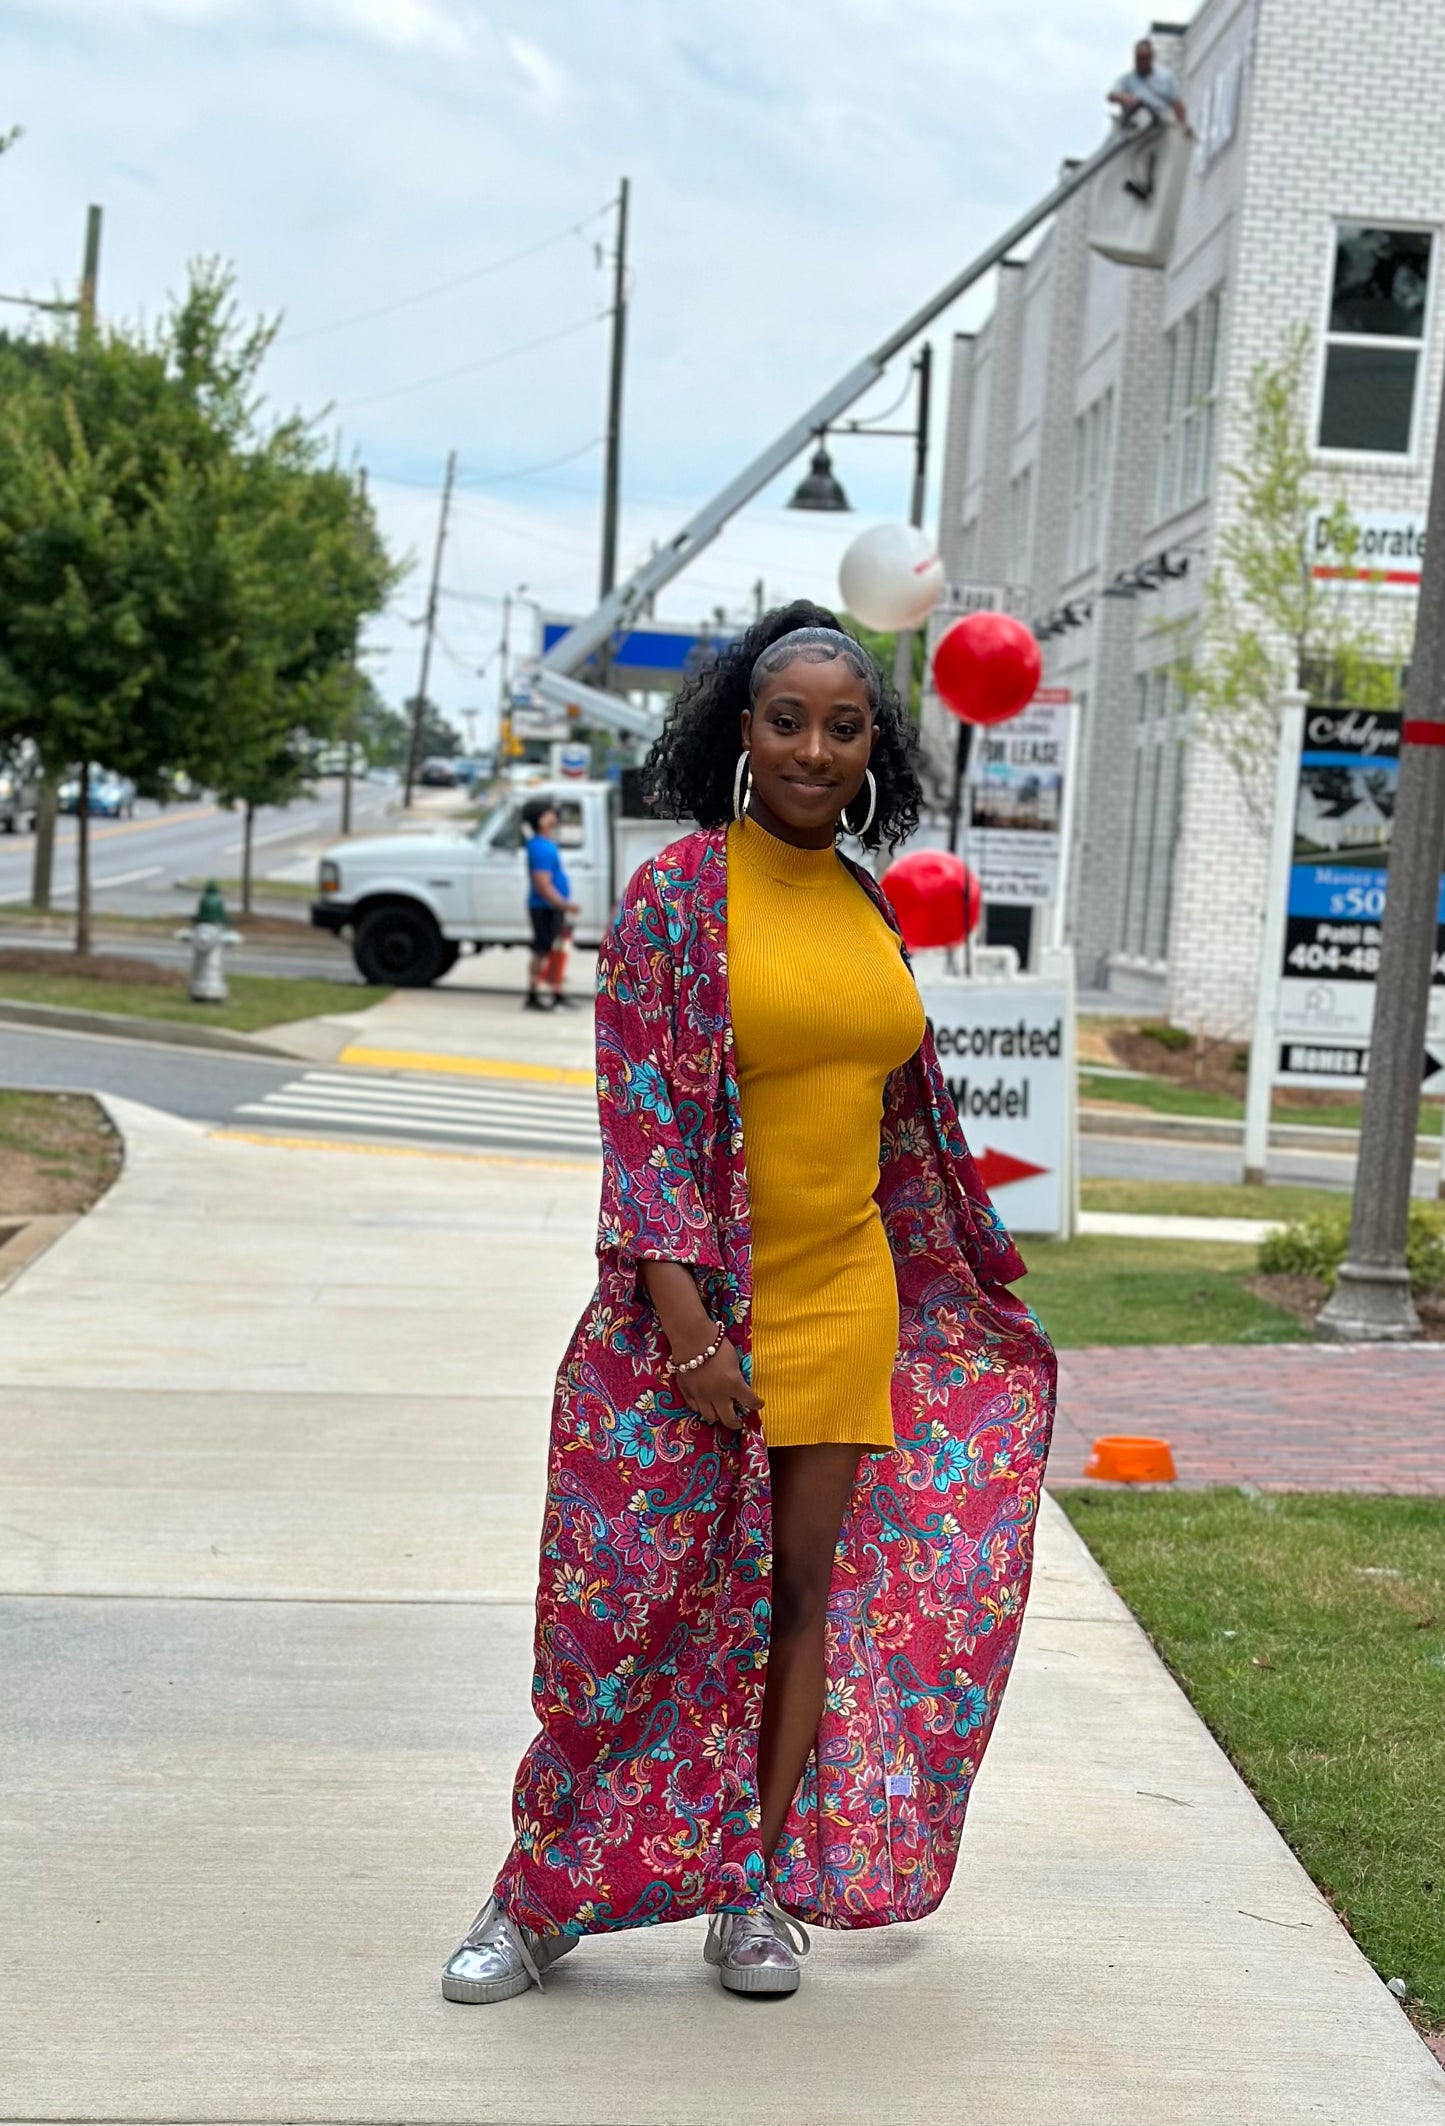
(1345, 791)
(1014, 801)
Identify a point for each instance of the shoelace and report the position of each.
(492, 1928)
(727, 1930)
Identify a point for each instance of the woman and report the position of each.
(799, 1432)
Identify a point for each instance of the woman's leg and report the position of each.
(811, 1490)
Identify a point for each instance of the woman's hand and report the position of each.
(717, 1391)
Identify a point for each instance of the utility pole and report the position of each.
(612, 475)
(47, 799)
(348, 773)
(1371, 1302)
(413, 760)
(903, 641)
(504, 681)
(90, 270)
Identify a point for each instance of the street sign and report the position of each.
(1014, 801)
(1302, 1061)
(1007, 1052)
(1388, 554)
(1344, 809)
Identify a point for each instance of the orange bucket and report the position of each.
(1124, 1460)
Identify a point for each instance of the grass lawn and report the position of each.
(1164, 1096)
(256, 1000)
(1309, 1632)
(58, 1153)
(1209, 1199)
(262, 889)
(1098, 1291)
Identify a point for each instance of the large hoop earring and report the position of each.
(743, 786)
(872, 808)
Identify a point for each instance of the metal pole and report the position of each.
(903, 641)
(1371, 1302)
(960, 773)
(419, 708)
(47, 797)
(1262, 1057)
(612, 477)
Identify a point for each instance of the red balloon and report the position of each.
(935, 897)
(987, 667)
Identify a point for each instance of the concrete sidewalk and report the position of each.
(273, 1425)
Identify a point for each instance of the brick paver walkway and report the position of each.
(1319, 1417)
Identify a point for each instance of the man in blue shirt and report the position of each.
(549, 904)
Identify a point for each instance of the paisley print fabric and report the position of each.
(637, 1802)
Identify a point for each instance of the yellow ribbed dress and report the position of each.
(823, 1010)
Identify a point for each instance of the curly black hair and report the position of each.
(689, 771)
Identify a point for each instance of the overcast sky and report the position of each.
(804, 174)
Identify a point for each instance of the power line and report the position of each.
(487, 361)
(496, 479)
(460, 280)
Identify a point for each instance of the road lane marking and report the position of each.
(273, 1139)
(360, 1057)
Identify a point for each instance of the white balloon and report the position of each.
(891, 576)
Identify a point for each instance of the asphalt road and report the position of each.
(399, 1107)
(139, 865)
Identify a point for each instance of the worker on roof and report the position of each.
(1149, 91)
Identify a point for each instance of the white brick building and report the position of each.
(1092, 417)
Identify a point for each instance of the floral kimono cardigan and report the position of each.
(638, 1800)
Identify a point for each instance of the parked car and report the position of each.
(19, 796)
(411, 900)
(438, 774)
(111, 796)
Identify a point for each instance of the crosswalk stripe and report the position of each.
(458, 1099)
(509, 1114)
(311, 1111)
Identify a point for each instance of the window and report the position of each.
(968, 552)
(1020, 526)
(1372, 346)
(1155, 799)
(1191, 389)
(1088, 510)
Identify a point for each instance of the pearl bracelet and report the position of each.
(690, 1365)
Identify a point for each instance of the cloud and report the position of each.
(423, 26)
(802, 176)
(549, 83)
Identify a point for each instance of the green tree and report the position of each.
(314, 566)
(438, 740)
(181, 586)
(382, 734)
(1269, 623)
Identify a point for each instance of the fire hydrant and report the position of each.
(208, 938)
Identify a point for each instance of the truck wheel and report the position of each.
(401, 946)
(451, 953)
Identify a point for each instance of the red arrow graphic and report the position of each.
(997, 1169)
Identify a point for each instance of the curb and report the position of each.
(1203, 1129)
(169, 1033)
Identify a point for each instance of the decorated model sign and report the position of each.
(1346, 788)
(1006, 1051)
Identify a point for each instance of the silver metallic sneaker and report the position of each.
(498, 1958)
(757, 1951)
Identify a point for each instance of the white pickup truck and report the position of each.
(412, 900)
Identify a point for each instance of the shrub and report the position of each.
(1315, 1247)
(1172, 1037)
